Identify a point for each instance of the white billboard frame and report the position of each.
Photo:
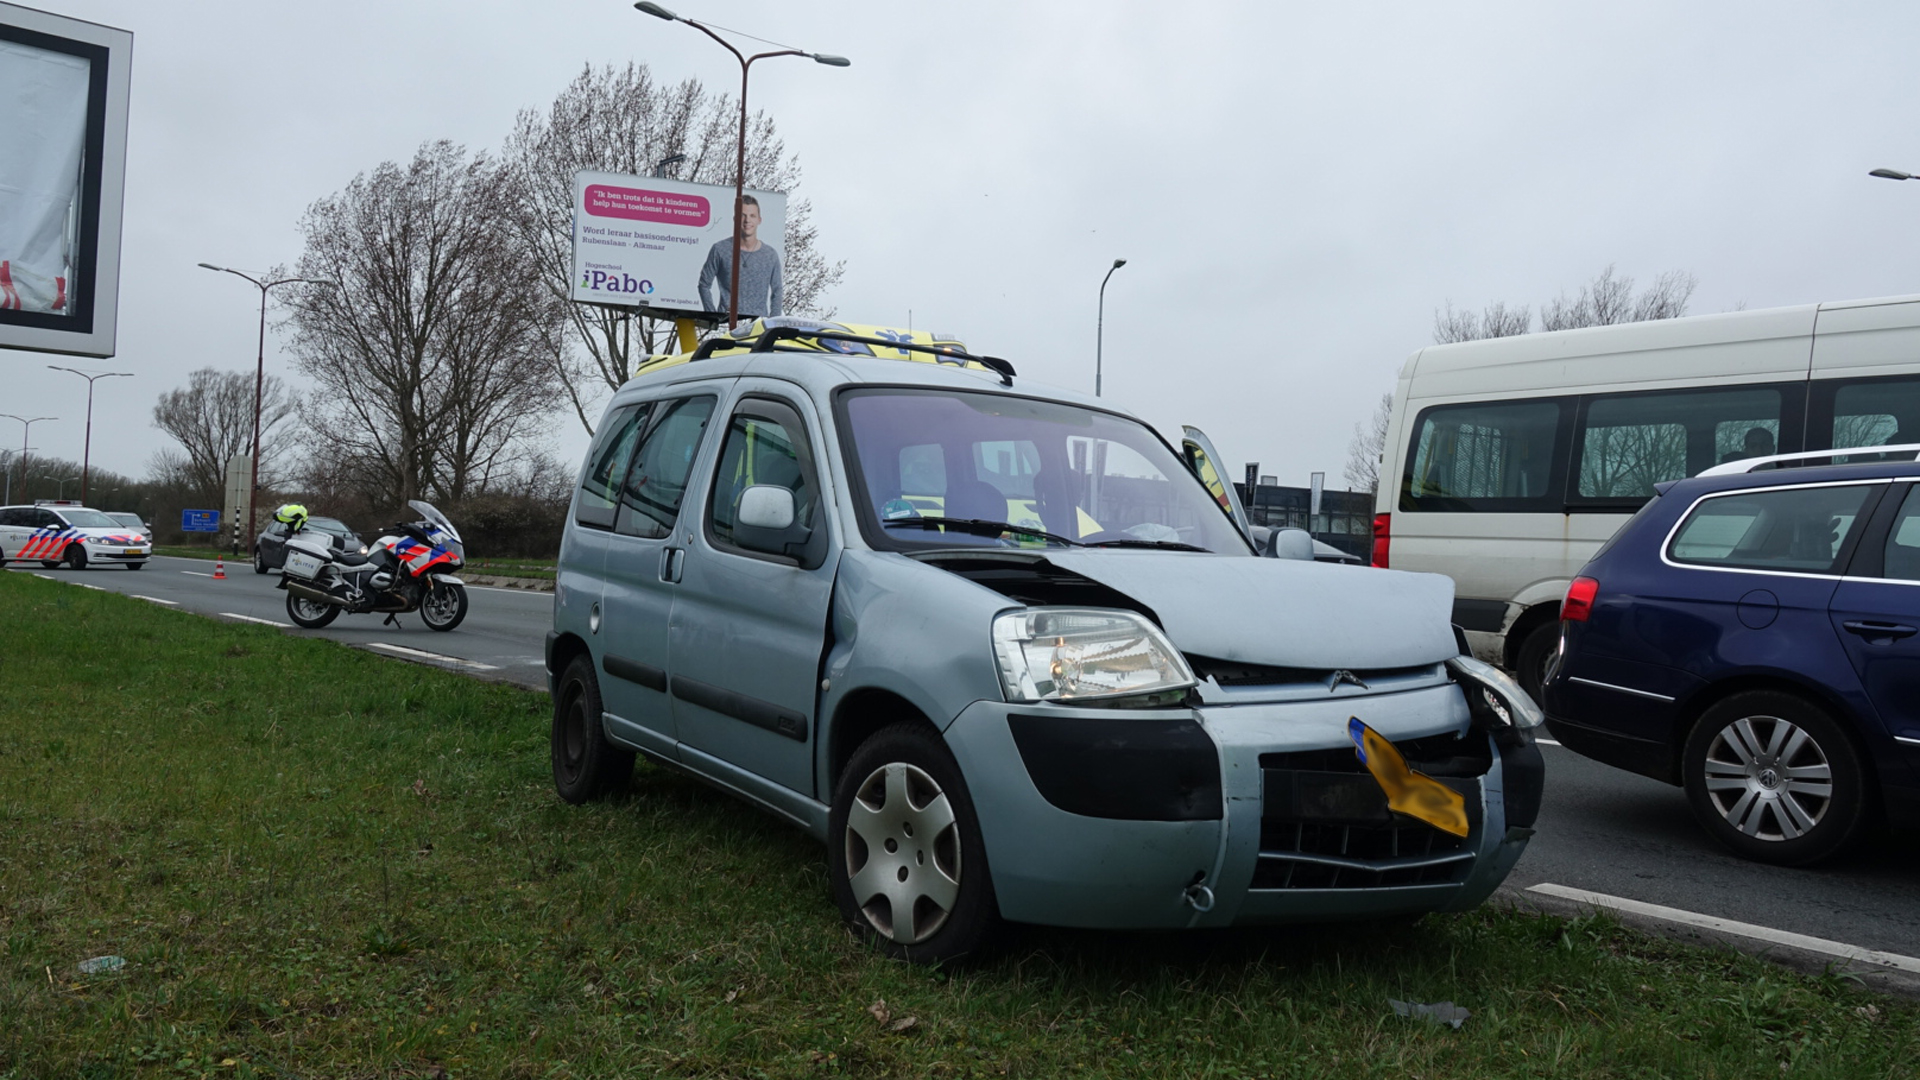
(90, 328)
(648, 253)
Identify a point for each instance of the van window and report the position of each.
(1801, 530)
(607, 467)
(1484, 456)
(766, 445)
(1882, 412)
(650, 500)
(1629, 442)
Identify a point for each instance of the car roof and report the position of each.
(802, 360)
(1805, 474)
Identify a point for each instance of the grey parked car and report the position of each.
(997, 647)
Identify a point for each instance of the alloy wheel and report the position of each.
(1768, 778)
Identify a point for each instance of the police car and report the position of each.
(53, 533)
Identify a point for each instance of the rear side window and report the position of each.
(1797, 530)
(657, 482)
(1630, 442)
(1901, 560)
(607, 467)
(1495, 456)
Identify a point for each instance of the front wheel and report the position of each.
(136, 566)
(444, 606)
(259, 561)
(1775, 778)
(585, 765)
(312, 614)
(76, 557)
(908, 867)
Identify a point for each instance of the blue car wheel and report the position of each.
(1775, 778)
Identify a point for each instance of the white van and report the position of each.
(1508, 462)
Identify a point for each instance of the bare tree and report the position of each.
(212, 420)
(434, 361)
(1605, 301)
(1368, 443)
(622, 120)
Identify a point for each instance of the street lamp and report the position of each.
(660, 167)
(259, 379)
(86, 449)
(740, 161)
(23, 451)
(1099, 326)
(62, 496)
(1892, 174)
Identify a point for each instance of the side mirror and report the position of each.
(1290, 544)
(765, 506)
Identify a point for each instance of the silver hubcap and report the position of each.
(903, 853)
(1768, 778)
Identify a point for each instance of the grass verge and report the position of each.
(317, 862)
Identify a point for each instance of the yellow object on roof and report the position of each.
(745, 335)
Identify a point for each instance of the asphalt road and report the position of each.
(502, 636)
(1600, 830)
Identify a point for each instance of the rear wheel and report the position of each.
(444, 606)
(1775, 778)
(311, 614)
(585, 765)
(76, 557)
(1536, 654)
(51, 564)
(259, 560)
(904, 852)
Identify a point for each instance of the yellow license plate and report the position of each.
(136, 551)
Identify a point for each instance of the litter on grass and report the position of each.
(1440, 1012)
(102, 965)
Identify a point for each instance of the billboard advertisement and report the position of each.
(63, 142)
(667, 246)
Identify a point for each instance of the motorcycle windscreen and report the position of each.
(428, 513)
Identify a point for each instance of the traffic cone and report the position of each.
(219, 569)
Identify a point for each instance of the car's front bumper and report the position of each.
(1253, 860)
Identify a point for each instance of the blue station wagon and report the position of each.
(999, 648)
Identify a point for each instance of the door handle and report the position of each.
(1871, 630)
(670, 562)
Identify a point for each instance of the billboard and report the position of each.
(667, 246)
(63, 150)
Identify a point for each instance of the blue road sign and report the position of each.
(199, 521)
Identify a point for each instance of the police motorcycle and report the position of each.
(408, 569)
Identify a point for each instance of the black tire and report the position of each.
(259, 560)
(76, 556)
(51, 564)
(136, 566)
(444, 606)
(1536, 654)
(942, 873)
(311, 614)
(1738, 766)
(585, 765)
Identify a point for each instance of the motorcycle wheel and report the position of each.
(311, 614)
(444, 606)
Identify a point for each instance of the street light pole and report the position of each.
(1893, 174)
(740, 158)
(1100, 326)
(259, 381)
(28, 427)
(61, 492)
(86, 450)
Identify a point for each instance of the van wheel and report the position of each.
(585, 765)
(1775, 778)
(1536, 653)
(904, 853)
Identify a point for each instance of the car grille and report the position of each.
(1235, 674)
(1325, 823)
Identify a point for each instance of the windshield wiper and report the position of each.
(1170, 545)
(979, 526)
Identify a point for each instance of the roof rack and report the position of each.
(1746, 465)
(769, 339)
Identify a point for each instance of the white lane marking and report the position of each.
(155, 600)
(262, 622)
(1836, 949)
(196, 573)
(84, 585)
(503, 588)
(1546, 742)
(49, 577)
(422, 654)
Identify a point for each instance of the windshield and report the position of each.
(89, 519)
(130, 520)
(429, 514)
(1083, 476)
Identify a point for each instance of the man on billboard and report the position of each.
(759, 269)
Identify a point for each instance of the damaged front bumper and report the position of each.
(1240, 813)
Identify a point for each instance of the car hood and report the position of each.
(1282, 612)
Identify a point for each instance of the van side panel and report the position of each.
(1866, 341)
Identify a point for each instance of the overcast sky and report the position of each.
(1296, 187)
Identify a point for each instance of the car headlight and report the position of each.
(1093, 655)
(1503, 695)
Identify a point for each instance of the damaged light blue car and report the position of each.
(1011, 656)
